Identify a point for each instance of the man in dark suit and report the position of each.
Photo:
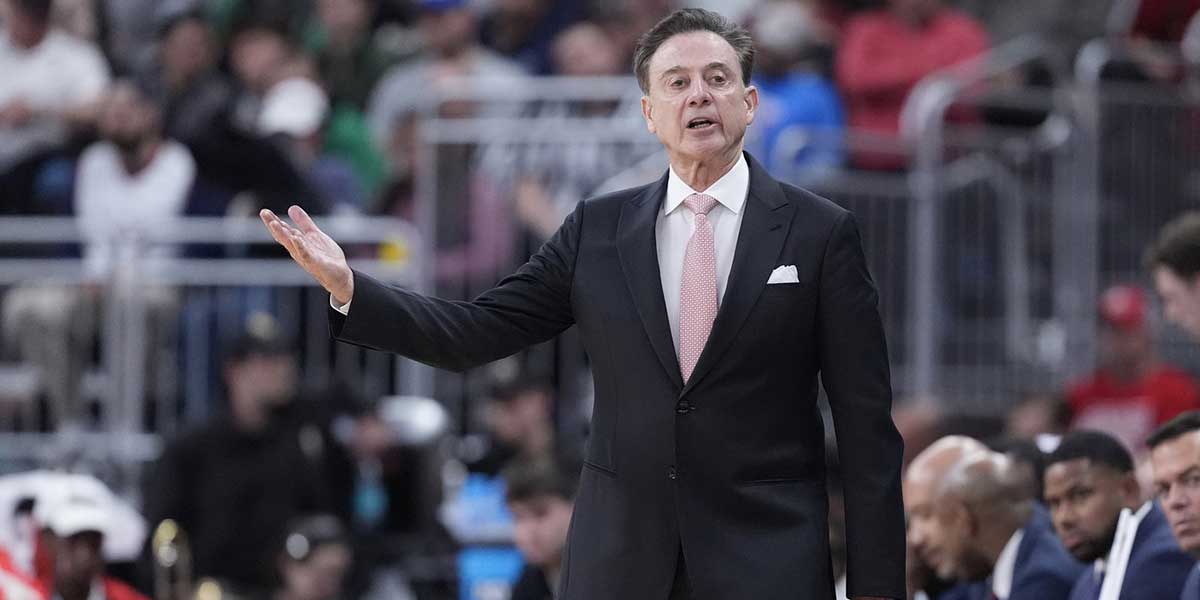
(928, 577)
(708, 303)
(1090, 482)
(1175, 459)
(981, 523)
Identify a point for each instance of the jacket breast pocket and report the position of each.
(785, 298)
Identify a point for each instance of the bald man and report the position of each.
(921, 482)
(983, 524)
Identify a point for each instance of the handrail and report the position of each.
(216, 230)
(922, 128)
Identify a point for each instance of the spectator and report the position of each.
(519, 424)
(350, 59)
(474, 220)
(926, 535)
(130, 181)
(450, 27)
(524, 30)
(886, 52)
(1091, 489)
(799, 125)
(51, 81)
(541, 495)
(1174, 259)
(235, 483)
(194, 95)
(986, 526)
(128, 184)
(315, 559)
(1175, 458)
(79, 521)
(1132, 391)
(295, 111)
(552, 177)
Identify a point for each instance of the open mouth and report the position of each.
(700, 123)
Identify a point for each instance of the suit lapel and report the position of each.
(764, 229)
(638, 251)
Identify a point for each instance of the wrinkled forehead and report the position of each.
(693, 51)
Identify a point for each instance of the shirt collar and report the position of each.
(1002, 574)
(730, 190)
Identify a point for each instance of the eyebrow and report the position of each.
(1192, 470)
(680, 68)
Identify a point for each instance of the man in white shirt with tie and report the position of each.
(708, 303)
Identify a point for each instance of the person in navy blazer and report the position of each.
(1175, 460)
(713, 487)
(1089, 480)
(1043, 570)
(1191, 588)
(986, 526)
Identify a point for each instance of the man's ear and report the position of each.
(751, 103)
(1131, 488)
(647, 114)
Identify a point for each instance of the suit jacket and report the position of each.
(730, 467)
(1191, 588)
(1157, 566)
(1044, 569)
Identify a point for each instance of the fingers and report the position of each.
(286, 235)
(302, 220)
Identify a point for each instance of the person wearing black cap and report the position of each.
(315, 559)
(235, 483)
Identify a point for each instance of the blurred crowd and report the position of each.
(122, 112)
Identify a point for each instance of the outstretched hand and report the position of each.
(314, 251)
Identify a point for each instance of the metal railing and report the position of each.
(212, 298)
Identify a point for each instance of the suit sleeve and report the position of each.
(527, 307)
(856, 376)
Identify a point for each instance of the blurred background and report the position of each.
(163, 363)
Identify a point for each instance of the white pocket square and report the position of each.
(784, 274)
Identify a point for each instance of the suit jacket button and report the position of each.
(683, 408)
(672, 473)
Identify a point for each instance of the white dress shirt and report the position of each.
(110, 204)
(674, 229)
(1002, 574)
(676, 224)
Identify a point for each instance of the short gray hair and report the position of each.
(687, 20)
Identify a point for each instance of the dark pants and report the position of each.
(680, 589)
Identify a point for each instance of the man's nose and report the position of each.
(1176, 499)
(699, 94)
(916, 537)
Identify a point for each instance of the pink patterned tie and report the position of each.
(698, 293)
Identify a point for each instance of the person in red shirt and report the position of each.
(1132, 391)
(886, 52)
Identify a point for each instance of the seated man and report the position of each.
(1090, 482)
(541, 496)
(983, 524)
(921, 483)
(1175, 458)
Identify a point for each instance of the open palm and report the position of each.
(313, 250)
